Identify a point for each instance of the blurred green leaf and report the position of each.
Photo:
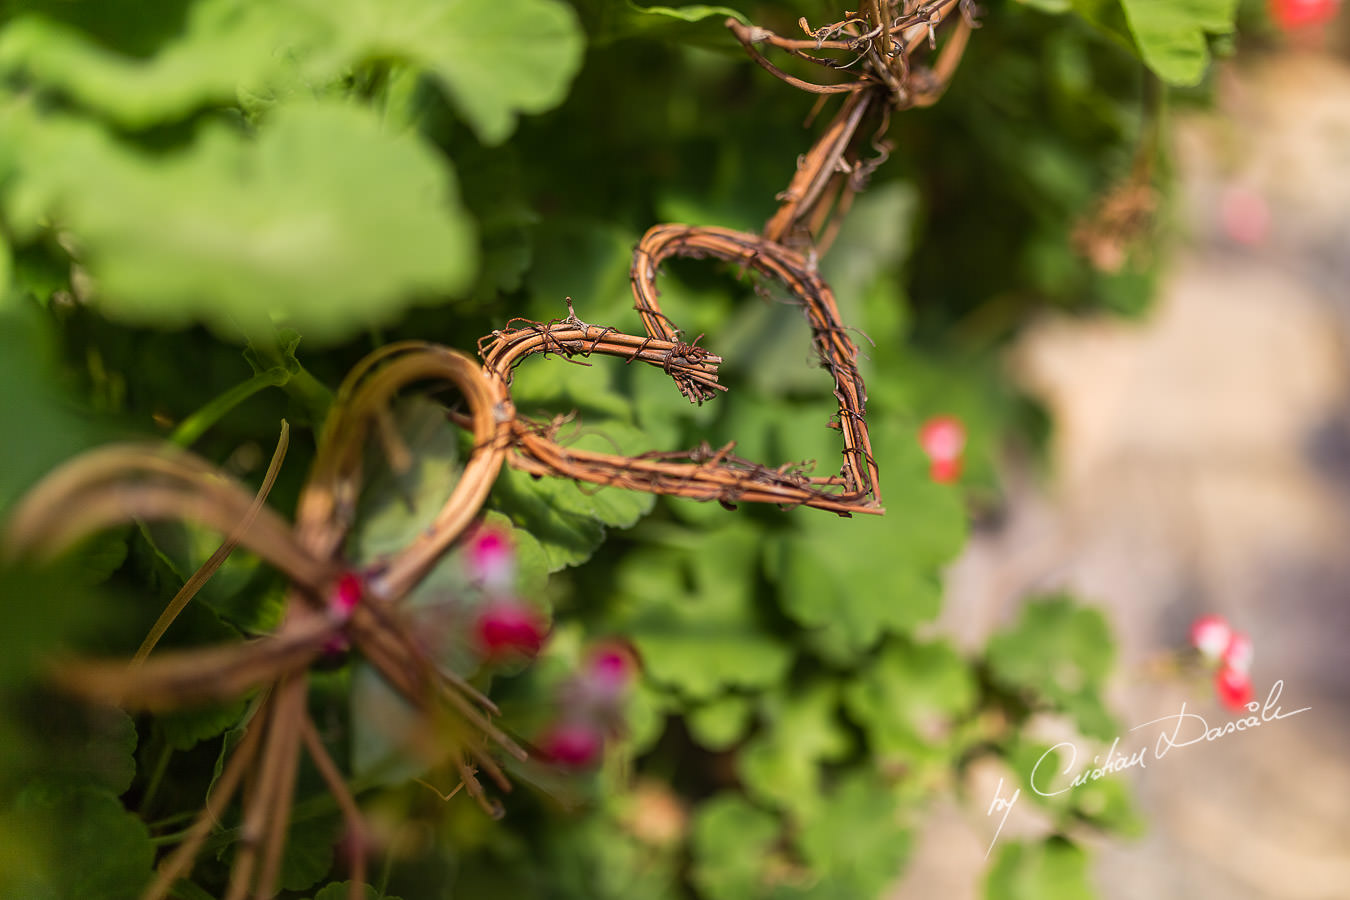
(1061, 653)
(1048, 775)
(1052, 870)
(721, 722)
(6, 273)
(309, 852)
(731, 840)
(89, 845)
(856, 580)
(907, 699)
(782, 765)
(396, 507)
(689, 608)
(224, 44)
(496, 59)
(53, 428)
(323, 222)
(99, 557)
(78, 745)
(856, 843)
(1107, 803)
(185, 729)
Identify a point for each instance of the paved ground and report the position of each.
(1203, 465)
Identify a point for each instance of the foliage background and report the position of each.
(209, 210)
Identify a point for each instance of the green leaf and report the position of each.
(1171, 34)
(693, 13)
(721, 722)
(323, 222)
(496, 59)
(397, 506)
(98, 557)
(339, 890)
(698, 24)
(90, 846)
(1048, 775)
(53, 428)
(187, 728)
(689, 608)
(1053, 870)
(1062, 653)
(730, 841)
(1108, 804)
(856, 843)
(224, 44)
(6, 272)
(569, 519)
(782, 765)
(237, 591)
(907, 699)
(78, 745)
(309, 852)
(852, 581)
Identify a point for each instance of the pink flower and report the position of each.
(507, 627)
(1238, 654)
(574, 745)
(1245, 216)
(1211, 636)
(609, 672)
(345, 596)
(943, 438)
(492, 559)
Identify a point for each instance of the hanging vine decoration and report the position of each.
(328, 606)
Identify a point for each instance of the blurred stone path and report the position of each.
(1202, 464)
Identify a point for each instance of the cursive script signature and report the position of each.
(1188, 728)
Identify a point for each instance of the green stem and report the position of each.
(196, 424)
(186, 815)
(303, 388)
(156, 778)
(314, 398)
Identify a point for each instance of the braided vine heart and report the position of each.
(702, 473)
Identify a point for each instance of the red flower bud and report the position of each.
(1233, 687)
(506, 627)
(574, 745)
(1290, 14)
(943, 438)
